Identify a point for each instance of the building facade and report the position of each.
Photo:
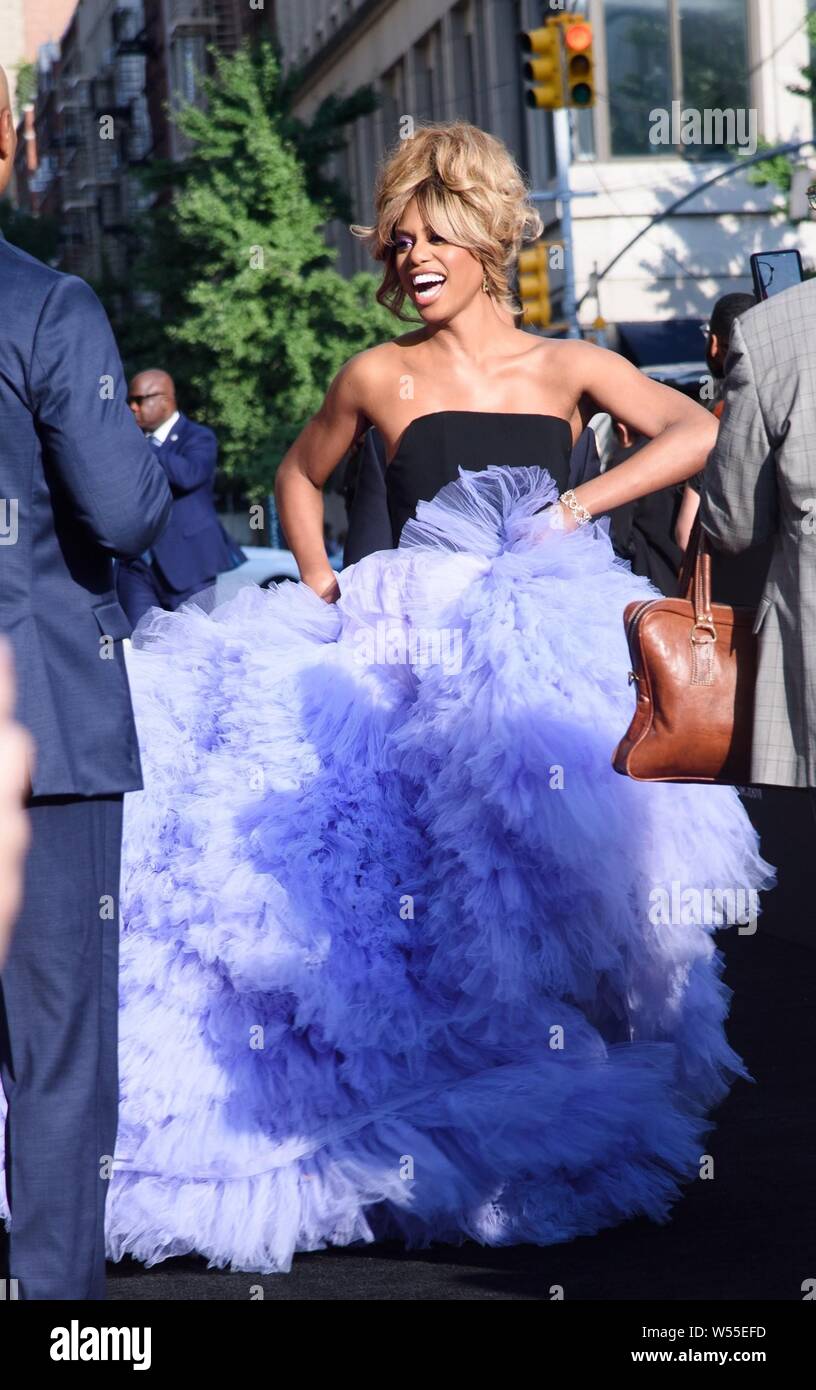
(441, 59)
(136, 60)
(92, 133)
(178, 34)
(12, 41)
(106, 89)
(25, 25)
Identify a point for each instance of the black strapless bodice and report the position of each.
(434, 447)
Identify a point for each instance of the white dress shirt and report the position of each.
(161, 432)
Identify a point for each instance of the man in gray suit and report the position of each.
(760, 485)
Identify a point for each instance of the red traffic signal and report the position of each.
(580, 79)
(578, 37)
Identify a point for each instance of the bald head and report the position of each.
(8, 135)
(152, 398)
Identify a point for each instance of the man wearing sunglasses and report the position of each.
(195, 547)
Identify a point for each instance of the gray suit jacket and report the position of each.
(760, 484)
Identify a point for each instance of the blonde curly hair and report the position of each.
(468, 188)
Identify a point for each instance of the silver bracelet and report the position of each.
(579, 511)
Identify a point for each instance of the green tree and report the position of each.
(39, 236)
(255, 319)
(26, 85)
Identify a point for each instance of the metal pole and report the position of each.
(563, 158)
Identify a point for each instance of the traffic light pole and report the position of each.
(563, 160)
(563, 194)
(561, 70)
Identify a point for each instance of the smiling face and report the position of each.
(439, 277)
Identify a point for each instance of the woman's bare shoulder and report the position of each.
(369, 374)
(570, 353)
(368, 366)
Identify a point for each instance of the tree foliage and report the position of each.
(255, 319)
(26, 85)
(39, 236)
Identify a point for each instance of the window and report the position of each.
(694, 52)
(507, 105)
(393, 104)
(189, 59)
(366, 162)
(425, 59)
(464, 63)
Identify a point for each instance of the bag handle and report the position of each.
(694, 580)
(695, 584)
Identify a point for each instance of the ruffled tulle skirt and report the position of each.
(395, 953)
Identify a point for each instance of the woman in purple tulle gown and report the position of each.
(396, 958)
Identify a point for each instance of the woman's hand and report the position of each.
(561, 518)
(324, 583)
(555, 517)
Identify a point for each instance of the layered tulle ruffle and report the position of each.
(390, 961)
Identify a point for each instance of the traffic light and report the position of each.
(562, 66)
(579, 62)
(534, 284)
(545, 69)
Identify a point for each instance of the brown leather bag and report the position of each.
(694, 663)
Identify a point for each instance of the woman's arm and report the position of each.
(309, 462)
(689, 508)
(682, 433)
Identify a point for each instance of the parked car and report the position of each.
(264, 566)
(688, 377)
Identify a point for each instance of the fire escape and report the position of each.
(190, 29)
(121, 139)
(74, 140)
(227, 24)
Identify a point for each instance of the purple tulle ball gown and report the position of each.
(388, 958)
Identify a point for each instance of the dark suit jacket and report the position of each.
(194, 547)
(78, 484)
